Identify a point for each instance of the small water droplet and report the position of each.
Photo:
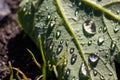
(113, 46)
(48, 17)
(51, 45)
(102, 78)
(61, 41)
(116, 29)
(67, 42)
(83, 69)
(73, 59)
(118, 11)
(89, 27)
(104, 29)
(71, 50)
(73, 78)
(110, 74)
(93, 57)
(76, 12)
(100, 29)
(59, 48)
(67, 73)
(100, 40)
(58, 34)
(94, 72)
(52, 23)
(89, 42)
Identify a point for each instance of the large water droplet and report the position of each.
(113, 45)
(58, 34)
(116, 29)
(100, 40)
(73, 59)
(71, 50)
(83, 69)
(67, 73)
(93, 57)
(89, 27)
(102, 78)
(94, 72)
(59, 48)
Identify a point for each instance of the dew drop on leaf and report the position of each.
(113, 45)
(94, 72)
(83, 69)
(52, 23)
(102, 78)
(93, 57)
(59, 48)
(73, 59)
(89, 42)
(116, 29)
(110, 74)
(58, 34)
(61, 41)
(67, 73)
(71, 50)
(89, 27)
(100, 40)
(118, 12)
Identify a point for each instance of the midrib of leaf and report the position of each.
(73, 35)
(101, 8)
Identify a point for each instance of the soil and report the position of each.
(13, 44)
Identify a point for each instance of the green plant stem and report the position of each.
(43, 58)
(101, 8)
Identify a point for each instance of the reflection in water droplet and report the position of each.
(94, 72)
(93, 57)
(59, 48)
(102, 78)
(48, 17)
(73, 59)
(89, 42)
(67, 73)
(58, 34)
(71, 50)
(100, 40)
(83, 69)
(89, 27)
(113, 45)
(116, 29)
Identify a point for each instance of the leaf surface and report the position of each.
(80, 37)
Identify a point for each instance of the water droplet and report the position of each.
(73, 78)
(59, 48)
(118, 12)
(67, 42)
(61, 41)
(104, 29)
(94, 72)
(93, 57)
(48, 17)
(83, 69)
(76, 12)
(52, 23)
(102, 78)
(100, 40)
(113, 45)
(71, 50)
(116, 29)
(51, 45)
(58, 34)
(100, 29)
(73, 59)
(110, 74)
(89, 27)
(67, 73)
(89, 42)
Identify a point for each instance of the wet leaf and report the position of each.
(80, 37)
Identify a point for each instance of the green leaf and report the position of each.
(80, 38)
